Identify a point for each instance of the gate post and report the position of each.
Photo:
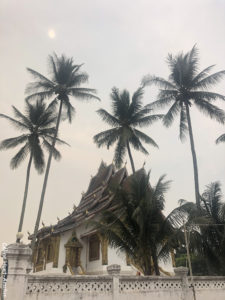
(18, 258)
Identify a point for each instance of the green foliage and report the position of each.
(186, 86)
(198, 263)
(65, 81)
(127, 115)
(137, 225)
(206, 227)
(38, 126)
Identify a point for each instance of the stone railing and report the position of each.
(24, 286)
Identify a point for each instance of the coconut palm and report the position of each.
(65, 81)
(137, 227)
(187, 86)
(38, 125)
(206, 226)
(127, 115)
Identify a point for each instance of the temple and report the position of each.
(72, 245)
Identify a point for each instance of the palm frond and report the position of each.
(84, 93)
(205, 95)
(136, 102)
(108, 118)
(136, 143)
(169, 116)
(159, 81)
(211, 110)
(161, 102)
(161, 187)
(13, 142)
(148, 120)
(56, 154)
(107, 138)
(38, 157)
(120, 152)
(39, 86)
(145, 138)
(70, 110)
(20, 156)
(220, 139)
(202, 75)
(210, 80)
(58, 141)
(39, 76)
(40, 95)
(22, 117)
(19, 125)
(183, 123)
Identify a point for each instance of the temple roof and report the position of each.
(97, 198)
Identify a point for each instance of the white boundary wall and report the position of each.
(122, 287)
(24, 286)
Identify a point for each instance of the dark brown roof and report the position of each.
(97, 198)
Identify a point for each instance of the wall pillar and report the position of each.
(114, 271)
(19, 265)
(183, 272)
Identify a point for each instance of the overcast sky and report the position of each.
(119, 42)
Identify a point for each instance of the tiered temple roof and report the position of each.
(97, 198)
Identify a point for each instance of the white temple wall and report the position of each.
(90, 267)
(62, 250)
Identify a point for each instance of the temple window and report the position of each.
(94, 248)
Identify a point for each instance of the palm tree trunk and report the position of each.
(25, 196)
(155, 263)
(131, 158)
(195, 165)
(46, 179)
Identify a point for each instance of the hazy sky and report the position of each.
(119, 42)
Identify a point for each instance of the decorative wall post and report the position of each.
(114, 270)
(183, 272)
(19, 265)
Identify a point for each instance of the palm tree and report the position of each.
(206, 226)
(38, 123)
(65, 81)
(137, 227)
(127, 114)
(187, 86)
(220, 139)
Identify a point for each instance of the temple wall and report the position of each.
(91, 267)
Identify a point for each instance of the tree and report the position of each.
(127, 115)
(65, 81)
(206, 227)
(187, 86)
(137, 226)
(38, 123)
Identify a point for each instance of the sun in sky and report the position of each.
(51, 33)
